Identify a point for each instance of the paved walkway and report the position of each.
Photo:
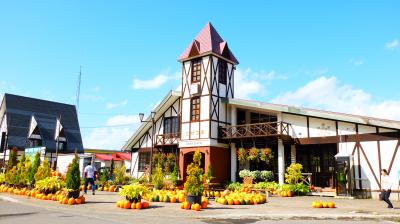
(102, 205)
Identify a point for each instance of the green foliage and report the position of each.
(22, 171)
(288, 187)
(104, 177)
(254, 154)
(32, 169)
(49, 185)
(266, 175)
(209, 175)
(12, 159)
(293, 173)
(73, 179)
(174, 176)
(242, 155)
(158, 177)
(11, 175)
(245, 173)
(43, 171)
(301, 189)
(266, 155)
(268, 186)
(2, 178)
(133, 192)
(234, 186)
(120, 174)
(194, 180)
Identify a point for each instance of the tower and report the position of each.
(207, 78)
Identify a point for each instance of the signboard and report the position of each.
(30, 152)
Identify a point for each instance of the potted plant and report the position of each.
(49, 185)
(209, 175)
(194, 181)
(133, 192)
(158, 177)
(266, 155)
(73, 179)
(120, 175)
(242, 155)
(253, 154)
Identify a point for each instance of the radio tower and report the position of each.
(78, 90)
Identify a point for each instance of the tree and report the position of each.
(73, 179)
(35, 163)
(194, 181)
(120, 174)
(43, 171)
(174, 176)
(209, 175)
(12, 159)
(21, 176)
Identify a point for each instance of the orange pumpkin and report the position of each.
(44, 197)
(290, 193)
(173, 199)
(145, 205)
(78, 201)
(187, 205)
(230, 201)
(71, 201)
(139, 205)
(65, 201)
(127, 204)
(204, 205)
(236, 202)
(197, 207)
(49, 196)
(318, 205)
(331, 205)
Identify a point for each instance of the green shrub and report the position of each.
(209, 175)
(194, 181)
(11, 175)
(22, 172)
(266, 175)
(32, 169)
(49, 185)
(133, 192)
(158, 177)
(268, 186)
(174, 176)
(2, 178)
(120, 174)
(293, 173)
(73, 178)
(301, 189)
(43, 171)
(12, 159)
(234, 186)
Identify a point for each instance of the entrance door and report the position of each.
(318, 160)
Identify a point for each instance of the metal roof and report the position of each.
(208, 41)
(19, 111)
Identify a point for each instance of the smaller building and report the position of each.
(28, 123)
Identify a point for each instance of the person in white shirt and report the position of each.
(90, 175)
(386, 186)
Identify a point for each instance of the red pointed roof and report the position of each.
(208, 41)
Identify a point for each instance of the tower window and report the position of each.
(223, 67)
(196, 70)
(195, 108)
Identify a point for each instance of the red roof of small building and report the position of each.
(106, 157)
(208, 41)
(124, 156)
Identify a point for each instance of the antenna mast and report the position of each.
(78, 91)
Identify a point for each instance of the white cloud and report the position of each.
(115, 105)
(394, 44)
(114, 137)
(327, 93)
(155, 82)
(356, 62)
(249, 83)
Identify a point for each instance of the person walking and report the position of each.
(90, 175)
(386, 186)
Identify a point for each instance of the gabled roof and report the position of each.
(168, 100)
(208, 41)
(19, 111)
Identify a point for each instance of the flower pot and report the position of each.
(193, 199)
(134, 200)
(73, 194)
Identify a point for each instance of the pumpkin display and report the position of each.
(319, 204)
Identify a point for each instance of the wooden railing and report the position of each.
(168, 139)
(255, 130)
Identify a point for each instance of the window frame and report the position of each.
(171, 125)
(195, 112)
(222, 71)
(196, 70)
(142, 164)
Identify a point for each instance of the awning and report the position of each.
(124, 156)
(105, 157)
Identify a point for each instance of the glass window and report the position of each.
(222, 75)
(195, 108)
(171, 125)
(144, 160)
(196, 70)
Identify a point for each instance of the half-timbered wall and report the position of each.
(370, 155)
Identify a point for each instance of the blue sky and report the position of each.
(338, 55)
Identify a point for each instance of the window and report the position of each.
(171, 125)
(144, 160)
(196, 70)
(195, 108)
(223, 66)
